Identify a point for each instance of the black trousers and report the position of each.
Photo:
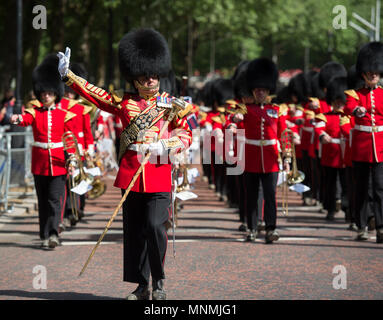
(362, 171)
(71, 196)
(334, 178)
(145, 237)
(307, 168)
(219, 175)
(269, 187)
(51, 196)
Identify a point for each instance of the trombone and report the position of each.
(294, 176)
(74, 160)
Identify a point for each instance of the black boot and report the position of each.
(158, 290)
(141, 293)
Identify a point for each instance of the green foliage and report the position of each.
(236, 30)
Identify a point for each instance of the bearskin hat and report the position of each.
(299, 87)
(206, 94)
(46, 77)
(79, 70)
(283, 95)
(239, 81)
(143, 52)
(370, 58)
(262, 73)
(330, 70)
(316, 90)
(335, 90)
(222, 90)
(354, 80)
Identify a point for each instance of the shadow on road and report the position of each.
(53, 295)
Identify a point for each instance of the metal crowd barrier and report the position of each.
(15, 165)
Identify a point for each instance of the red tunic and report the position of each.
(367, 134)
(155, 177)
(263, 127)
(48, 126)
(333, 153)
(80, 124)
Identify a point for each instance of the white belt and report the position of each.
(309, 129)
(336, 141)
(368, 128)
(48, 145)
(261, 142)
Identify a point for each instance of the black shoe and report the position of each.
(271, 236)
(141, 293)
(362, 235)
(45, 244)
(330, 216)
(242, 227)
(353, 227)
(53, 241)
(371, 224)
(158, 290)
(379, 235)
(251, 236)
(261, 226)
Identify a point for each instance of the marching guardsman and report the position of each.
(206, 129)
(222, 90)
(143, 58)
(263, 124)
(366, 105)
(242, 97)
(49, 121)
(327, 72)
(333, 144)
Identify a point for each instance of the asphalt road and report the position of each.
(209, 260)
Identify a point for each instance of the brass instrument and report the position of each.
(98, 186)
(71, 147)
(294, 176)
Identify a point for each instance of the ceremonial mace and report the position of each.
(177, 105)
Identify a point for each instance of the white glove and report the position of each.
(238, 117)
(64, 62)
(157, 148)
(208, 127)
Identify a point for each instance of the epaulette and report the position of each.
(202, 115)
(217, 119)
(310, 114)
(321, 116)
(31, 111)
(69, 115)
(344, 120)
(87, 109)
(235, 107)
(118, 95)
(71, 103)
(352, 93)
(33, 104)
(221, 109)
(283, 109)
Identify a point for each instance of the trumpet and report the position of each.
(294, 176)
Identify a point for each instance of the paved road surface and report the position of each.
(212, 262)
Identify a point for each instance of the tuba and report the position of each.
(294, 176)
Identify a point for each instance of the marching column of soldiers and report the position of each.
(332, 119)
